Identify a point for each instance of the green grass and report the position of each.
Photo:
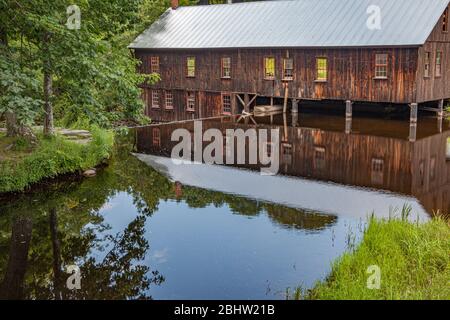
(13, 149)
(52, 157)
(414, 260)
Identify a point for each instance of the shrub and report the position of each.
(55, 156)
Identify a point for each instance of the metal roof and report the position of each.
(296, 23)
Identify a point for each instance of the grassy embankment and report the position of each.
(414, 260)
(22, 165)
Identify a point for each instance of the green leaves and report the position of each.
(94, 74)
(19, 88)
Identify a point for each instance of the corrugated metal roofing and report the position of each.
(301, 23)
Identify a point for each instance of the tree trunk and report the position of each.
(11, 120)
(3, 37)
(13, 283)
(12, 129)
(49, 129)
(57, 273)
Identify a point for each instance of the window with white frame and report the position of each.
(226, 104)
(321, 69)
(155, 99)
(269, 68)
(288, 69)
(381, 65)
(377, 174)
(169, 100)
(438, 71)
(190, 67)
(226, 67)
(190, 101)
(427, 63)
(154, 64)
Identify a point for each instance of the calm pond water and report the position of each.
(136, 234)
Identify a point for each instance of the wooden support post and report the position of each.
(348, 109)
(285, 127)
(294, 106)
(294, 119)
(440, 112)
(413, 115)
(439, 123)
(286, 93)
(412, 131)
(348, 116)
(348, 125)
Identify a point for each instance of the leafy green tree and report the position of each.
(86, 74)
(19, 99)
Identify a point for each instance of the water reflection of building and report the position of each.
(380, 154)
(418, 168)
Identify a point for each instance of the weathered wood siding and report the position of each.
(350, 73)
(207, 104)
(434, 88)
(348, 159)
(431, 176)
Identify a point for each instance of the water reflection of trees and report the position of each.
(306, 220)
(284, 216)
(58, 243)
(59, 224)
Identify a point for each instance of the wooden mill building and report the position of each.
(223, 59)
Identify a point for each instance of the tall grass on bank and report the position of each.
(414, 260)
(53, 157)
